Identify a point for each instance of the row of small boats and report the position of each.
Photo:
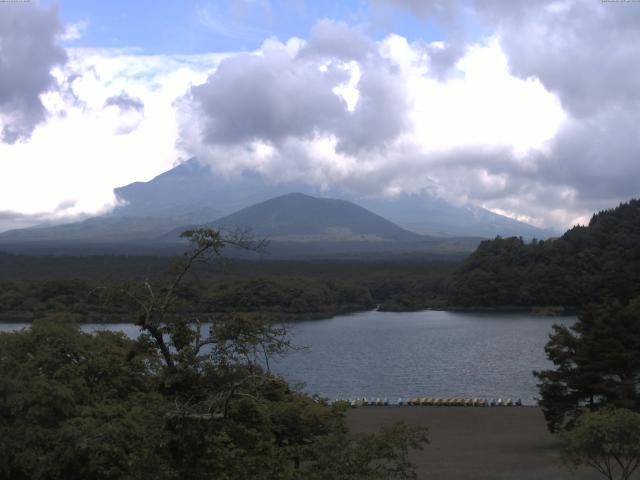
(433, 402)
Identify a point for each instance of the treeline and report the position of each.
(587, 264)
(293, 290)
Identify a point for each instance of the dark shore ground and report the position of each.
(475, 443)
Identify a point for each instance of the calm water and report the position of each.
(434, 354)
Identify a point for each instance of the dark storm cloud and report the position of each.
(125, 102)
(276, 95)
(28, 52)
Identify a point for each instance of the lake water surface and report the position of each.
(428, 353)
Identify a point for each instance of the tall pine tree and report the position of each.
(597, 363)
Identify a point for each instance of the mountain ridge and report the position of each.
(193, 184)
(192, 194)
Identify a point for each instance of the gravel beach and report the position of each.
(475, 443)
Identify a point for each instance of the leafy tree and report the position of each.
(72, 406)
(597, 364)
(190, 398)
(608, 441)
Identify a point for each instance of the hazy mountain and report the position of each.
(301, 225)
(191, 194)
(190, 187)
(296, 217)
(96, 229)
(194, 190)
(434, 216)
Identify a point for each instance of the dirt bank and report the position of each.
(470, 443)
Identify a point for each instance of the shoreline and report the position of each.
(287, 317)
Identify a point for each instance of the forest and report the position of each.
(587, 264)
(293, 289)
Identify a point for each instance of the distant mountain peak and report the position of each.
(302, 218)
(192, 193)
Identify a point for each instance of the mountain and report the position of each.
(299, 225)
(296, 217)
(434, 216)
(94, 230)
(192, 194)
(194, 189)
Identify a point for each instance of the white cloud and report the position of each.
(72, 162)
(398, 127)
(483, 125)
(75, 31)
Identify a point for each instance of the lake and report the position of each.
(428, 353)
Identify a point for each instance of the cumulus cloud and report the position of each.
(125, 102)
(75, 31)
(584, 52)
(341, 109)
(72, 162)
(528, 108)
(28, 52)
(129, 111)
(292, 90)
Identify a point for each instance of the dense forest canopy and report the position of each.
(183, 400)
(31, 286)
(586, 264)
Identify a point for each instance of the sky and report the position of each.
(529, 108)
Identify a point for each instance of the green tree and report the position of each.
(607, 441)
(72, 406)
(597, 364)
(189, 398)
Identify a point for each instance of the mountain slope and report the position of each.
(195, 190)
(193, 194)
(302, 218)
(434, 216)
(97, 229)
(191, 186)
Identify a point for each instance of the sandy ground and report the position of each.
(477, 443)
